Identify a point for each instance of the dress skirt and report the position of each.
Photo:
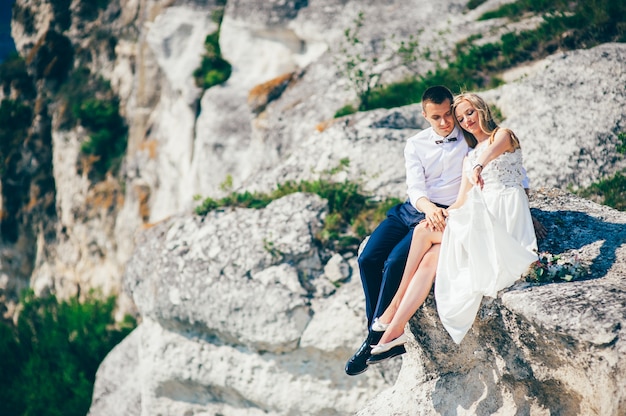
(488, 243)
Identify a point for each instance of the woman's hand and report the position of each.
(477, 179)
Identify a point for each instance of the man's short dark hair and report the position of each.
(437, 94)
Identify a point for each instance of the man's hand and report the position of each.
(436, 218)
(540, 231)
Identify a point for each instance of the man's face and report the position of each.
(440, 117)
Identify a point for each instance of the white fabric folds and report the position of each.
(488, 243)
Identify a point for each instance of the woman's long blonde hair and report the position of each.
(485, 119)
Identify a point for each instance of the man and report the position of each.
(433, 162)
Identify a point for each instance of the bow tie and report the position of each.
(450, 139)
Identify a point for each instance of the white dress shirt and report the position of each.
(434, 170)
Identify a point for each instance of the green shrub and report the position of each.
(108, 139)
(621, 145)
(95, 114)
(352, 215)
(218, 14)
(398, 94)
(518, 8)
(11, 363)
(53, 352)
(496, 113)
(363, 64)
(460, 74)
(609, 191)
(79, 87)
(567, 25)
(91, 103)
(346, 110)
(592, 21)
(213, 72)
(214, 69)
(472, 4)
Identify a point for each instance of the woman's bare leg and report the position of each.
(415, 295)
(423, 239)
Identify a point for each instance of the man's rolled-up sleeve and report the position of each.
(415, 179)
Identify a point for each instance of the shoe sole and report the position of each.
(356, 374)
(393, 352)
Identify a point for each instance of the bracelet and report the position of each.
(478, 165)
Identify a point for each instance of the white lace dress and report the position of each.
(488, 243)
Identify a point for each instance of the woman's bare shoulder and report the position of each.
(503, 134)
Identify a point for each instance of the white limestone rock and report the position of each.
(337, 269)
(115, 391)
(205, 278)
(233, 323)
(568, 111)
(176, 373)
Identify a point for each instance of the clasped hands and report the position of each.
(436, 219)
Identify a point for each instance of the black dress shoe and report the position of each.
(393, 352)
(358, 362)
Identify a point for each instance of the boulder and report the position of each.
(243, 315)
(545, 349)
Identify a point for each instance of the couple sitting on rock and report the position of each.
(467, 220)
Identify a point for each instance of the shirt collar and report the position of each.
(455, 133)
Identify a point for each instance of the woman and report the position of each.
(489, 240)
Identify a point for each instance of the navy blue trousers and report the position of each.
(382, 261)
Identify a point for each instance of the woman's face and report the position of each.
(467, 116)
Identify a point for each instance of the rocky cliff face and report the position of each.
(235, 306)
(183, 141)
(266, 326)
